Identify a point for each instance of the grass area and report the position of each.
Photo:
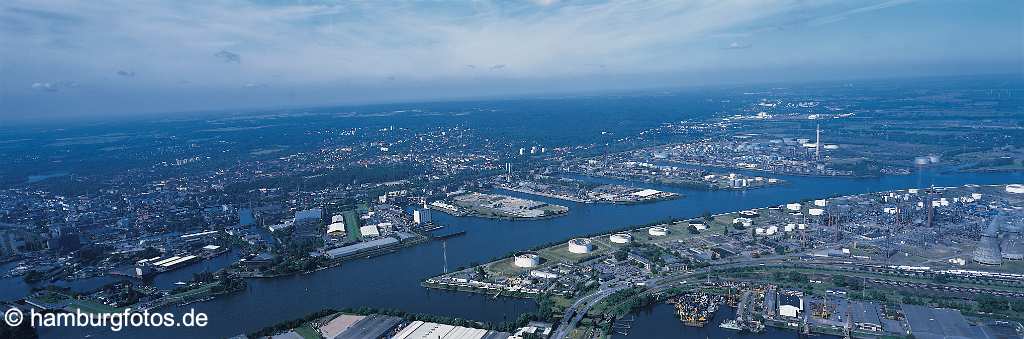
(193, 293)
(677, 231)
(89, 306)
(505, 267)
(560, 253)
(561, 302)
(602, 241)
(352, 225)
(50, 297)
(307, 332)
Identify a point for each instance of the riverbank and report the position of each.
(394, 280)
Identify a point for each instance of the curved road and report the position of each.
(575, 312)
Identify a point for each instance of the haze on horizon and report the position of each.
(99, 58)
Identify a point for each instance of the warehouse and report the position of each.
(425, 330)
(360, 247)
(933, 323)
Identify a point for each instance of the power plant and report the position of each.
(988, 251)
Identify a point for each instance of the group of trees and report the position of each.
(843, 281)
(290, 324)
(624, 301)
(22, 331)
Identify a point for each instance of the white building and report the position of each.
(421, 216)
(369, 231)
(790, 304)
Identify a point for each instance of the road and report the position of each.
(575, 312)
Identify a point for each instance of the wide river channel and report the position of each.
(393, 280)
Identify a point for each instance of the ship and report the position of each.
(731, 325)
(448, 235)
(696, 309)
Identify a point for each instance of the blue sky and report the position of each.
(128, 57)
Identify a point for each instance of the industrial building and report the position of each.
(534, 329)
(424, 330)
(791, 304)
(357, 327)
(935, 323)
(307, 225)
(1013, 247)
(166, 264)
(988, 251)
(580, 246)
(360, 247)
(337, 229)
(620, 238)
(421, 216)
(866, 316)
(527, 260)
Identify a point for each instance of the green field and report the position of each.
(307, 332)
(506, 267)
(352, 225)
(89, 306)
(560, 253)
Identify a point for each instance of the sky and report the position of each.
(108, 58)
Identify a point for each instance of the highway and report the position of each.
(575, 312)
(579, 309)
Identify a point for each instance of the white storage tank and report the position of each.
(815, 211)
(820, 202)
(657, 231)
(620, 238)
(580, 246)
(527, 260)
(793, 206)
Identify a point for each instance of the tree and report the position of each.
(1017, 305)
(22, 331)
(147, 253)
(990, 304)
(621, 254)
(32, 277)
(481, 272)
(797, 277)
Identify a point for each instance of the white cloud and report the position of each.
(376, 46)
(737, 45)
(363, 41)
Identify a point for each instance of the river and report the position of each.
(392, 281)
